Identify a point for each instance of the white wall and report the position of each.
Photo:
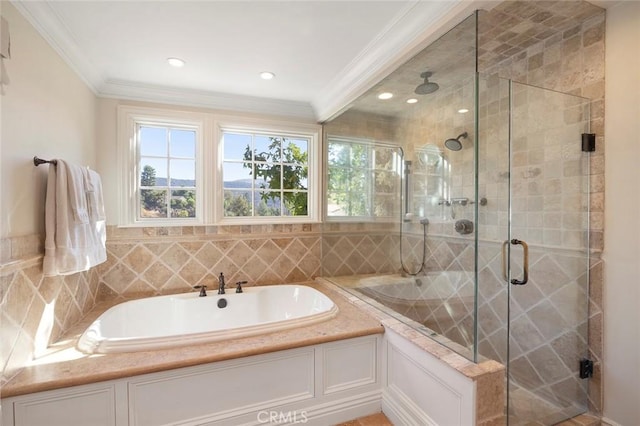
(46, 111)
(622, 216)
(107, 153)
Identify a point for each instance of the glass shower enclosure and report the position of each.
(461, 208)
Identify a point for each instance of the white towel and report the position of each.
(74, 220)
(93, 189)
(76, 190)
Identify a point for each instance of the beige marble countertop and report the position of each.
(65, 366)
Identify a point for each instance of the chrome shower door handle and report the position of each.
(525, 262)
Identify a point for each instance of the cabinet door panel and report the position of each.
(89, 408)
(226, 390)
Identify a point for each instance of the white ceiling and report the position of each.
(324, 53)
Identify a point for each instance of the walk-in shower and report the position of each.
(523, 179)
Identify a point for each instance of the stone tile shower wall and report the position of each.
(355, 249)
(36, 311)
(570, 60)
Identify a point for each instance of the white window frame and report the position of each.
(312, 132)
(209, 180)
(129, 118)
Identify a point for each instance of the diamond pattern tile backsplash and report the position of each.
(35, 310)
(161, 267)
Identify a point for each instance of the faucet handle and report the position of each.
(221, 283)
(202, 288)
(239, 286)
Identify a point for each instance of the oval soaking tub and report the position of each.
(182, 319)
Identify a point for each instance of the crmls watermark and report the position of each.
(282, 417)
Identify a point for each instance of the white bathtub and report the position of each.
(182, 319)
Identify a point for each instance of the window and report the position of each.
(167, 164)
(160, 156)
(178, 170)
(362, 179)
(265, 174)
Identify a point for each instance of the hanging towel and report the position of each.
(76, 192)
(74, 220)
(93, 189)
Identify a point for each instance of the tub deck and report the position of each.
(65, 366)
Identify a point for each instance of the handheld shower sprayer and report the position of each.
(407, 216)
(407, 172)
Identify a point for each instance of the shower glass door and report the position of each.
(546, 250)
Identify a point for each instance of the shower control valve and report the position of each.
(464, 226)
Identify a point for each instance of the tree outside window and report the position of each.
(265, 175)
(363, 179)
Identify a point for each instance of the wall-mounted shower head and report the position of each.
(426, 87)
(455, 144)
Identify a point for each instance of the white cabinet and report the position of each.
(216, 392)
(83, 405)
(349, 366)
(316, 385)
(420, 389)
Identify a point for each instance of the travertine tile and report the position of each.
(490, 401)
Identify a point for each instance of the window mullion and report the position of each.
(168, 160)
(254, 167)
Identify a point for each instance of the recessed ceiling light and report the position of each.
(176, 62)
(412, 101)
(385, 95)
(267, 75)
(463, 110)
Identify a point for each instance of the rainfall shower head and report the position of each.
(455, 144)
(426, 87)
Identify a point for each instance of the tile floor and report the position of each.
(381, 420)
(374, 420)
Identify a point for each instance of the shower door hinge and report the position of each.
(586, 368)
(588, 142)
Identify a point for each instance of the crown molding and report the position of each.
(415, 27)
(48, 24)
(44, 18)
(135, 91)
(418, 24)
